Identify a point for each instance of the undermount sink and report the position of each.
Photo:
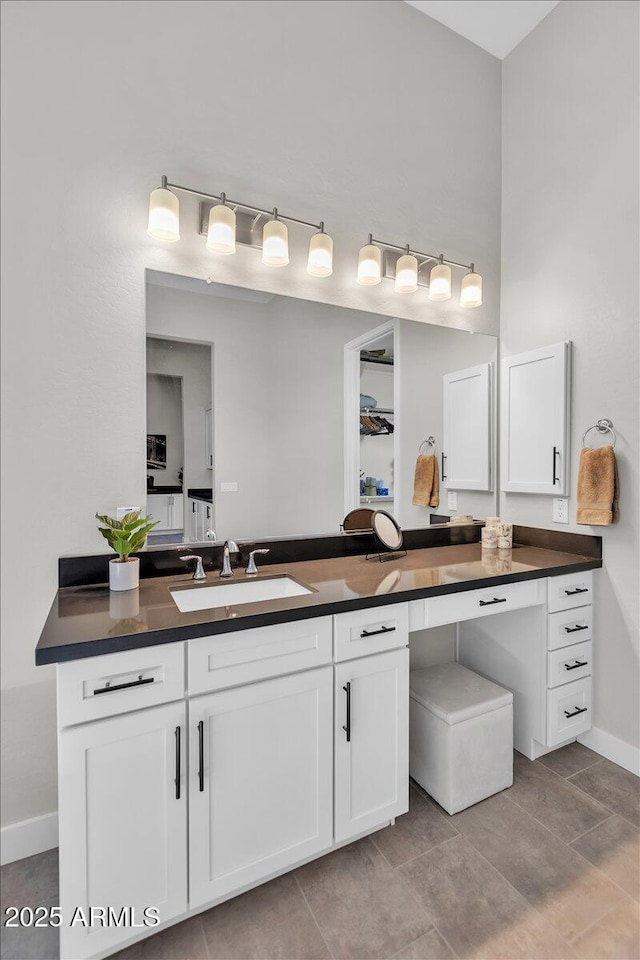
(244, 591)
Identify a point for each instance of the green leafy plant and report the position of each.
(128, 535)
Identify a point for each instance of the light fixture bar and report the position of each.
(436, 257)
(236, 203)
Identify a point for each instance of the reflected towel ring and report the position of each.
(602, 426)
(429, 440)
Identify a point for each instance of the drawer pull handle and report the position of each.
(572, 593)
(575, 713)
(123, 686)
(443, 457)
(374, 633)
(489, 603)
(347, 727)
(556, 454)
(574, 666)
(201, 756)
(577, 627)
(178, 764)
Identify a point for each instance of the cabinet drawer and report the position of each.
(363, 632)
(97, 687)
(568, 711)
(247, 655)
(569, 664)
(569, 626)
(572, 590)
(475, 603)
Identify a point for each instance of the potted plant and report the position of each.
(125, 536)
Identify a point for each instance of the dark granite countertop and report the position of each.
(201, 493)
(161, 489)
(87, 621)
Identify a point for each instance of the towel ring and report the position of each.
(429, 440)
(602, 426)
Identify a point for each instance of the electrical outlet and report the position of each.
(452, 500)
(228, 486)
(560, 510)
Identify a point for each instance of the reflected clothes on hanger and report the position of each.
(372, 426)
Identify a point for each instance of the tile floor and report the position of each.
(547, 869)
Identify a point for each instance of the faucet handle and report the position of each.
(251, 566)
(198, 573)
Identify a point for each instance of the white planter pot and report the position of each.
(124, 576)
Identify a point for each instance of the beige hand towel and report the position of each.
(597, 487)
(426, 482)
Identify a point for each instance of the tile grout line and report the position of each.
(204, 937)
(582, 769)
(441, 935)
(602, 804)
(313, 916)
(590, 830)
(411, 943)
(561, 839)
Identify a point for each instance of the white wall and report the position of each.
(164, 416)
(99, 100)
(570, 272)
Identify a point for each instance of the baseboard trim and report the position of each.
(28, 837)
(610, 747)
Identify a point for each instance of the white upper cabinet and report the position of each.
(467, 429)
(534, 421)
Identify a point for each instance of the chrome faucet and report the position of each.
(251, 566)
(230, 546)
(198, 573)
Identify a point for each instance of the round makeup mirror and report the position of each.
(387, 530)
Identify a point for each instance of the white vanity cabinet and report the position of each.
(122, 821)
(260, 796)
(534, 421)
(200, 519)
(168, 509)
(371, 742)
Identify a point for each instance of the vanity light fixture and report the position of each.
(227, 222)
(440, 281)
(369, 264)
(407, 270)
(221, 233)
(406, 273)
(471, 290)
(164, 214)
(275, 242)
(320, 262)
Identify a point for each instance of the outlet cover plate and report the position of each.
(560, 510)
(452, 500)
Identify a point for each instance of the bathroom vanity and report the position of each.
(204, 752)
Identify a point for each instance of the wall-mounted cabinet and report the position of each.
(467, 408)
(534, 421)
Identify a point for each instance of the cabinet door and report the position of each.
(193, 519)
(261, 774)
(159, 506)
(371, 742)
(177, 511)
(467, 404)
(534, 421)
(123, 822)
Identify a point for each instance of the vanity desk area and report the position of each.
(210, 750)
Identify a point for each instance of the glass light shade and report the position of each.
(471, 290)
(275, 244)
(369, 265)
(164, 215)
(440, 282)
(320, 262)
(221, 235)
(406, 274)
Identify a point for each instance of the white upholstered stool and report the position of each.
(460, 735)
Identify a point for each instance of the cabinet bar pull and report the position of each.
(572, 593)
(489, 603)
(556, 454)
(123, 686)
(178, 764)
(347, 727)
(574, 666)
(443, 458)
(575, 713)
(577, 627)
(374, 633)
(201, 756)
